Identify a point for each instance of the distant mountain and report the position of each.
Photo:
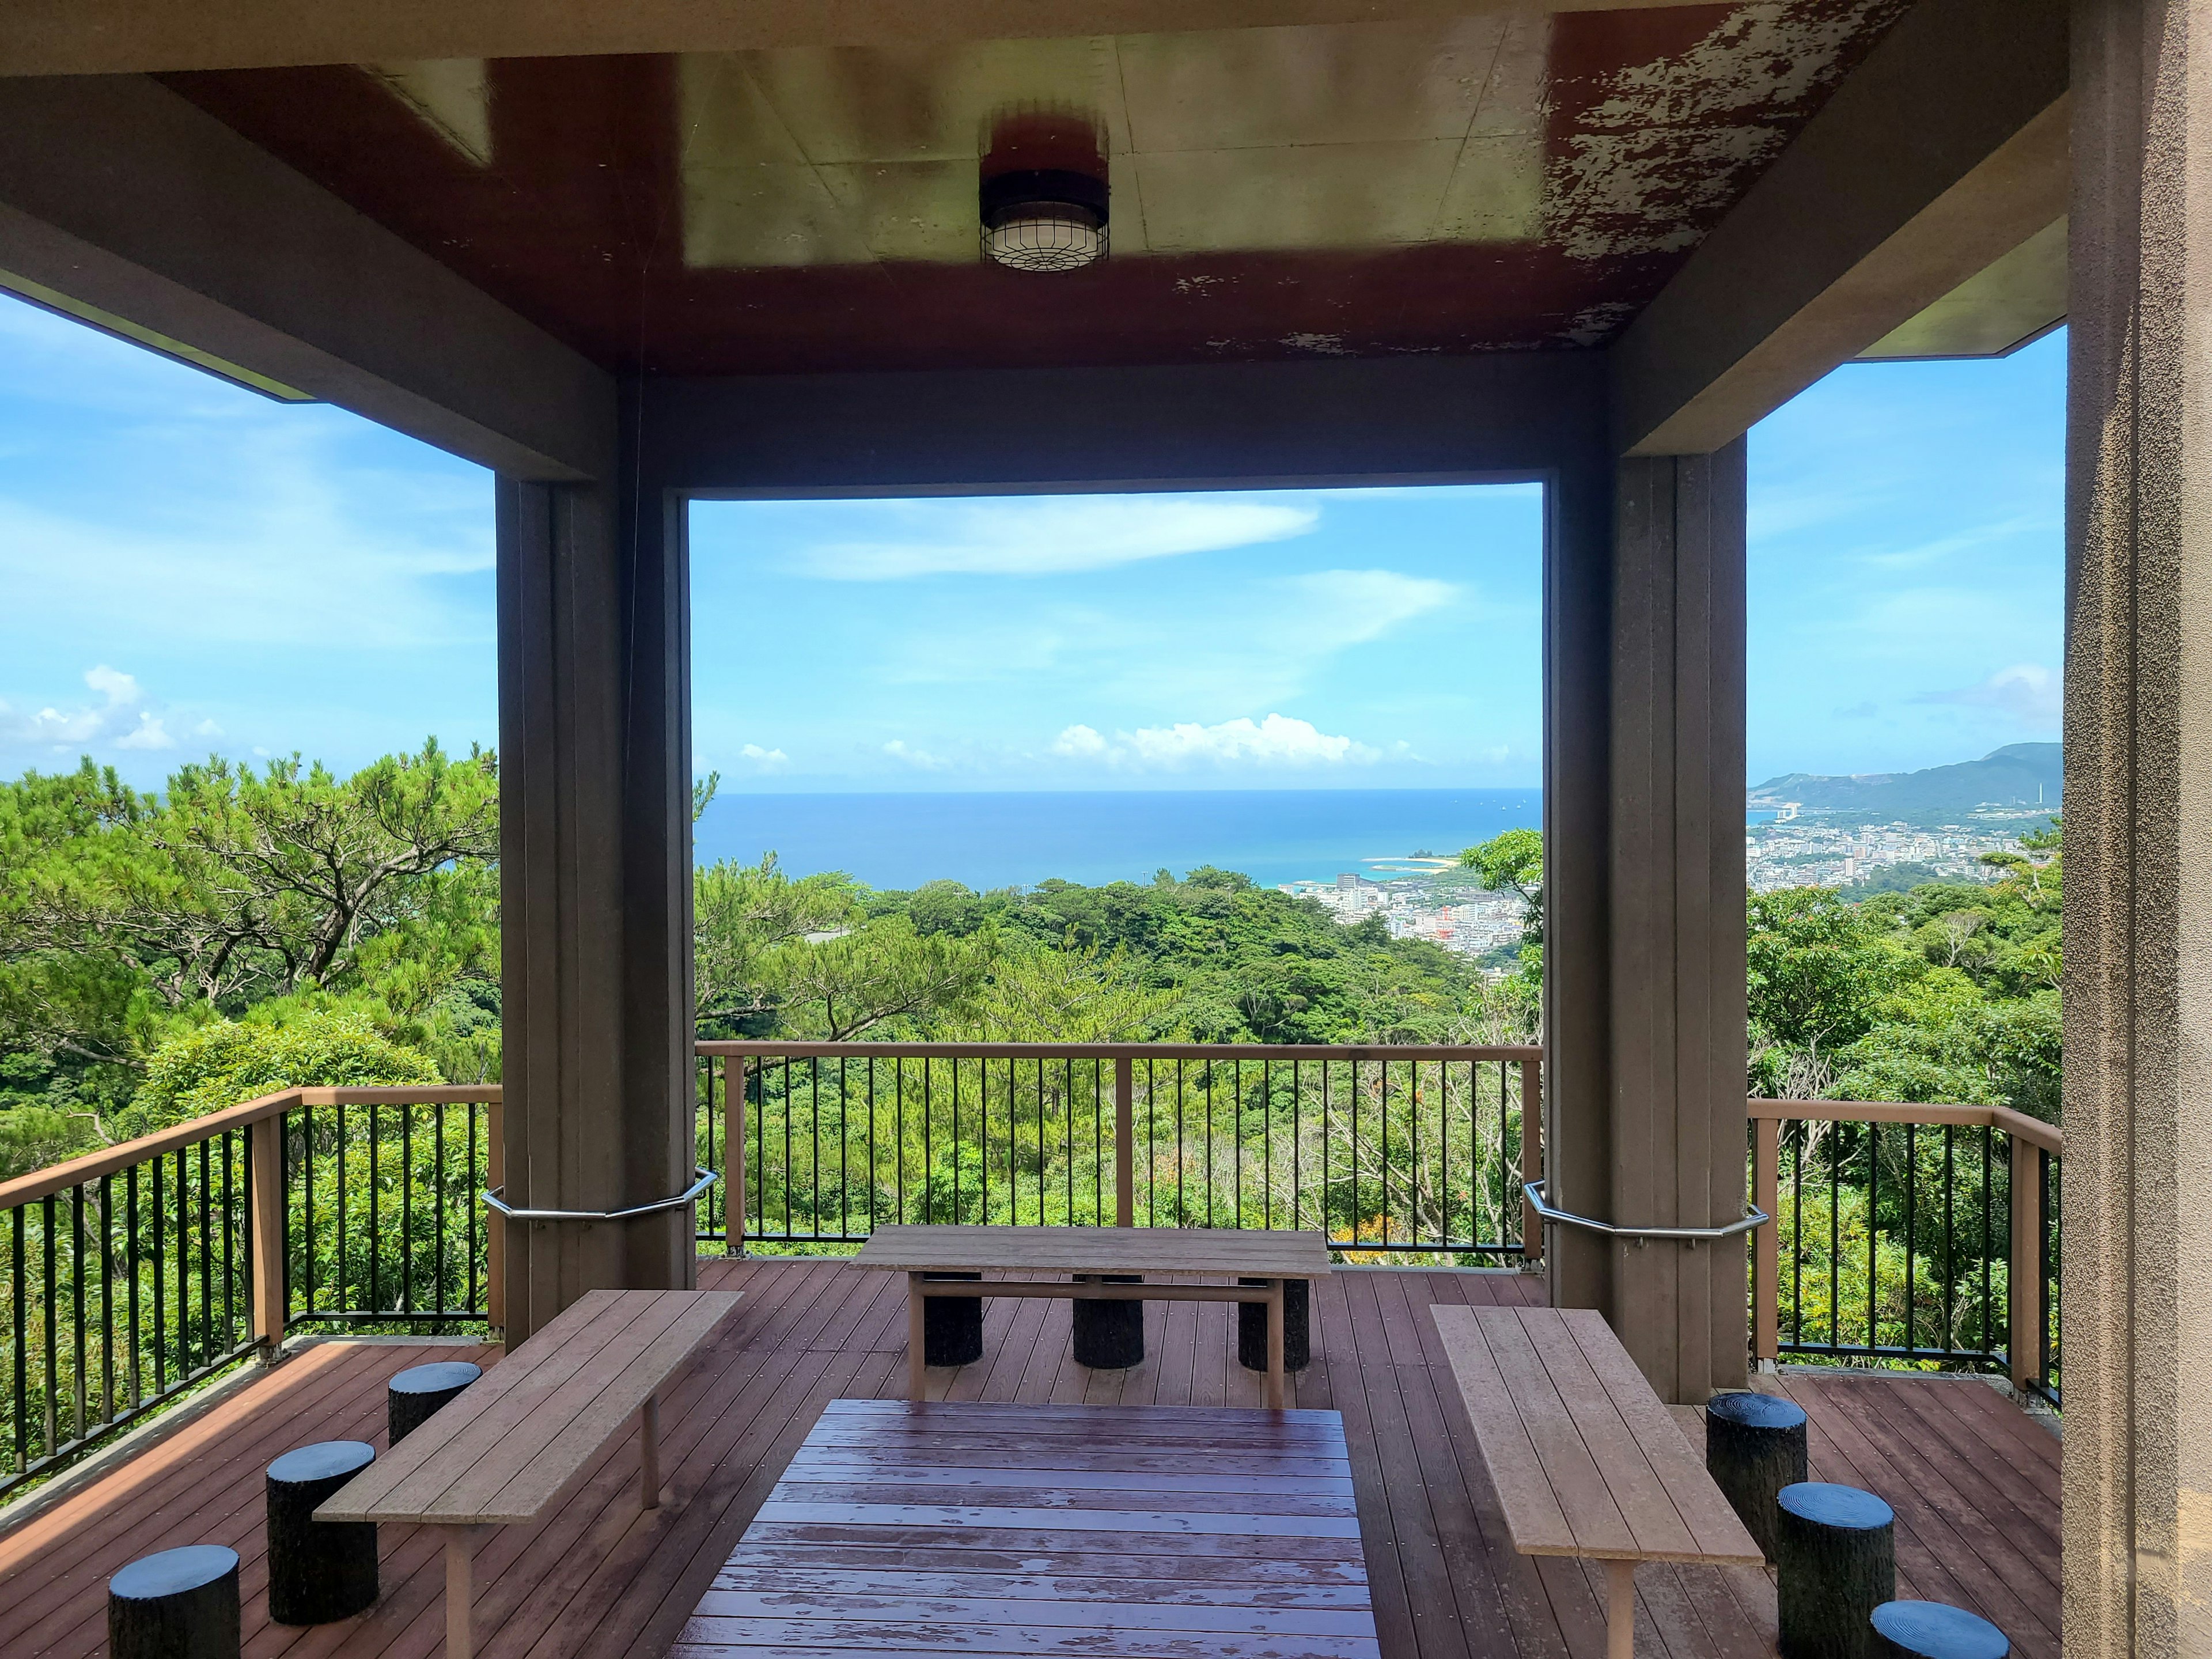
(2009, 777)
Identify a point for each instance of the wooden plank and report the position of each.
(741, 1574)
(812, 1596)
(1245, 1251)
(1535, 1514)
(1615, 1451)
(901, 1634)
(1118, 1562)
(997, 1471)
(1718, 1532)
(803, 1638)
(1394, 1612)
(557, 1458)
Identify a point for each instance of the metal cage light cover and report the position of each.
(1044, 219)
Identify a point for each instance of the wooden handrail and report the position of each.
(108, 1160)
(756, 1047)
(2031, 1140)
(2019, 1125)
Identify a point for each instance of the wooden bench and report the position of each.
(1228, 1251)
(1586, 1459)
(511, 1447)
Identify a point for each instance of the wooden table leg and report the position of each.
(648, 1453)
(460, 1590)
(1620, 1610)
(1276, 1318)
(917, 1379)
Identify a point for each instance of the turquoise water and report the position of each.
(1019, 839)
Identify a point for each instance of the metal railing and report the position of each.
(1391, 1150)
(1907, 1235)
(138, 1273)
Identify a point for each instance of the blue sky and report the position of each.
(191, 567)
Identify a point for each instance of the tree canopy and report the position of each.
(247, 929)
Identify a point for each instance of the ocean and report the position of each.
(986, 840)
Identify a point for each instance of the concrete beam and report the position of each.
(1246, 425)
(122, 202)
(1941, 153)
(109, 37)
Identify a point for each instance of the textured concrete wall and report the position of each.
(2137, 1181)
(1644, 904)
(595, 886)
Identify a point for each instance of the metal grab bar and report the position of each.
(706, 1179)
(1753, 1216)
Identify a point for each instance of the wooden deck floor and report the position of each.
(1975, 1483)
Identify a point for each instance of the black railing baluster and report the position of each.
(476, 1182)
(1911, 1236)
(406, 1208)
(1987, 1135)
(207, 1264)
(47, 1367)
(438, 1298)
(18, 1279)
(229, 1258)
(76, 1305)
(1874, 1234)
(1950, 1239)
(107, 1297)
(131, 1265)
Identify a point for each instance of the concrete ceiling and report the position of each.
(1503, 180)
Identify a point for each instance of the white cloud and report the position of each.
(117, 721)
(1053, 535)
(1079, 740)
(148, 733)
(919, 758)
(1279, 740)
(769, 760)
(207, 729)
(2027, 691)
(1350, 607)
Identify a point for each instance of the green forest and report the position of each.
(249, 929)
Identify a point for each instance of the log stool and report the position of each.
(1755, 1447)
(420, 1390)
(1252, 1328)
(319, 1571)
(1835, 1548)
(1930, 1630)
(951, 1327)
(1109, 1336)
(181, 1604)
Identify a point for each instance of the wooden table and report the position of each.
(1087, 1532)
(511, 1446)
(1586, 1459)
(1239, 1253)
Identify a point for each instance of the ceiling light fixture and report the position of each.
(1043, 191)
(1044, 219)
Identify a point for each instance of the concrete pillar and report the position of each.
(2137, 1179)
(595, 885)
(1644, 884)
